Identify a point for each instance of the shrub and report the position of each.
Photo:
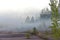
(27, 35)
(35, 31)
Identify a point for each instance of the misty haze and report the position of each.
(13, 21)
(30, 19)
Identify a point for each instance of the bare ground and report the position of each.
(21, 38)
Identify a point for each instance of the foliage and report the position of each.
(27, 35)
(55, 27)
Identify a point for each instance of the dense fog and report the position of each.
(18, 23)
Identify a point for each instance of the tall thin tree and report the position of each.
(54, 18)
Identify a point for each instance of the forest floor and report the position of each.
(17, 37)
(20, 36)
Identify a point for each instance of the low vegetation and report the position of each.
(27, 35)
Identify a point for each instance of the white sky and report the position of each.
(22, 5)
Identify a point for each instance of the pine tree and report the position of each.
(32, 19)
(27, 19)
(54, 18)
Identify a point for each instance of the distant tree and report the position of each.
(27, 19)
(43, 10)
(32, 19)
(54, 18)
(47, 9)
